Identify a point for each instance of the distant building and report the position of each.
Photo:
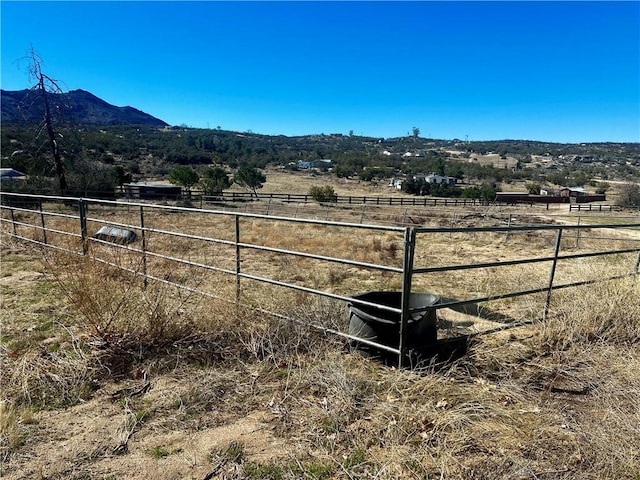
(572, 192)
(11, 175)
(321, 164)
(433, 178)
(395, 183)
(152, 191)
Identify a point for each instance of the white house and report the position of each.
(433, 178)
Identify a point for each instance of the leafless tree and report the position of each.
(44, 86)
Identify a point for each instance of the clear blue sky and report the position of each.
(552, 71)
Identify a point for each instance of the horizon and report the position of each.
(557, 72)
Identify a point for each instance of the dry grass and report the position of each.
(179, 386)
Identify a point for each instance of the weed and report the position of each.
(234, 453)
(257, 471)
(357, 457)
(159, 452)
(14, 429)
(313, 470)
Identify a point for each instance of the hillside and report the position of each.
(76, 106)
(95, 137)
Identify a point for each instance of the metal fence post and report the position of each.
(506, 235)
(143, 236)
(407, 272)
(44, 230)
(552, 273)
(82, 210)
(13, 222)
(238, 261)
(578, 234)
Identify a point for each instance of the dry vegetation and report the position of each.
(106, 378)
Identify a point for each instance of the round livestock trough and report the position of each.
(383, 326)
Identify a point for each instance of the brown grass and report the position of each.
(194, 386)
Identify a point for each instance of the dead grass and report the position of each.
(161, 382)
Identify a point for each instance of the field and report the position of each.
(104, 378)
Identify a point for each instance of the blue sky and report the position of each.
(551, 71)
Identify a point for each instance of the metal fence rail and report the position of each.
(214, 245)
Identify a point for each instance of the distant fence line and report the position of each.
(65, 223)
(197, 197)
(580, 207)
(349, 199)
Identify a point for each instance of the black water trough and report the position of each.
(382, 326)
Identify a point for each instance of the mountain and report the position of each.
(77, 106)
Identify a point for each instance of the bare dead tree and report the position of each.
(45, 86)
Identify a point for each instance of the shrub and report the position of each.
(629, 195)
(323, 194)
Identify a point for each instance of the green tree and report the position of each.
(488, 192)
(533, 188)
(249, 178)
(122, 176)
(602, 187)
(214, 181)
(629, 195)
(323, 194)
(185, 176)
(344, 171)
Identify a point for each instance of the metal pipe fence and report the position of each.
(231, 256)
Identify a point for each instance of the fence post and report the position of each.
(637, 270)
(143, 236)
(407, 272)
(82, 210)
(506, 235)
(578, 233)
(44, 230)
(552, 274)
(362, 213)
(13, 221)
(237, 219)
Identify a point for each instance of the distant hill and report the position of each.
(76, 106)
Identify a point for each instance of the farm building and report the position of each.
(566, 196)
(152, 191)
(573, 192)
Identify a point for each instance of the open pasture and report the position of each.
(209, 368)
(489, 267)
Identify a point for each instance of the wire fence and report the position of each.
(486, 276)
